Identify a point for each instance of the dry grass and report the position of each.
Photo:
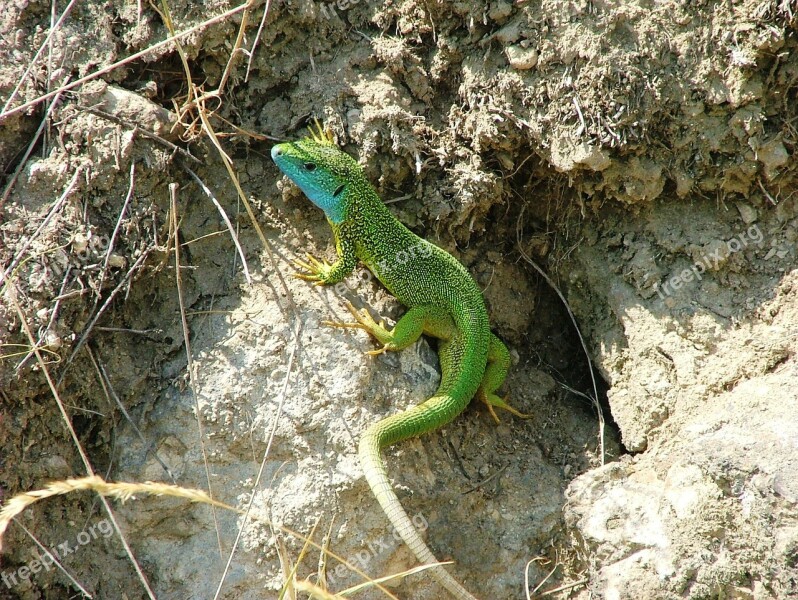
(124, 492)
(11, 294)
(196, 118)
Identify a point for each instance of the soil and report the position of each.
(641, 154)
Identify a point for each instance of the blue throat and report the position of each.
(332, 206)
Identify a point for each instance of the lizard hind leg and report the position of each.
(417, 320)
(364, 321)
(495, 372)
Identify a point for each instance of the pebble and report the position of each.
(521, 58)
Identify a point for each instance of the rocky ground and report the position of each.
(641, 154)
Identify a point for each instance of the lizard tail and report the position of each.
(389, 431)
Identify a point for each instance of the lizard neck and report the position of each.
(334, 207)
(371, 223)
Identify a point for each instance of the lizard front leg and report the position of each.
(322, 272)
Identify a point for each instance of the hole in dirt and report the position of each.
(169, 79)
(83, 425)
(540, 229)
(610, 426)
(26, 126)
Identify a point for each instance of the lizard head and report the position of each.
(321, 170)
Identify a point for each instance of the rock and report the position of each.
(724, 477)
(566, 157)
(521, 58)
(772, 155)
(140, 111)
(747, 212)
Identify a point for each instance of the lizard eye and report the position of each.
(310, 166)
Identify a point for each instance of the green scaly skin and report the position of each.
(443, 301)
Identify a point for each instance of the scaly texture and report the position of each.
(443, 301)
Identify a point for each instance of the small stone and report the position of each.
(515, 357)
(772, 155)
(522, 58)
(116, 261)
(80, 242)
(52, 340)
(684, 183)
(500, 11)
(353, 117)
(509, 34)
(747, 212)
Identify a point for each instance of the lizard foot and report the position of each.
(364, 321)
(314, 270)
(492, 400)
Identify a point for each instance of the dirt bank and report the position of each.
(641, 153)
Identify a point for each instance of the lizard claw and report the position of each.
(312, 269)
(492, 400)
(493, 414)
(364, 321)
(351, 308)
(377, 351)
(340, 324)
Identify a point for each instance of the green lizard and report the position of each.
(442, 298)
